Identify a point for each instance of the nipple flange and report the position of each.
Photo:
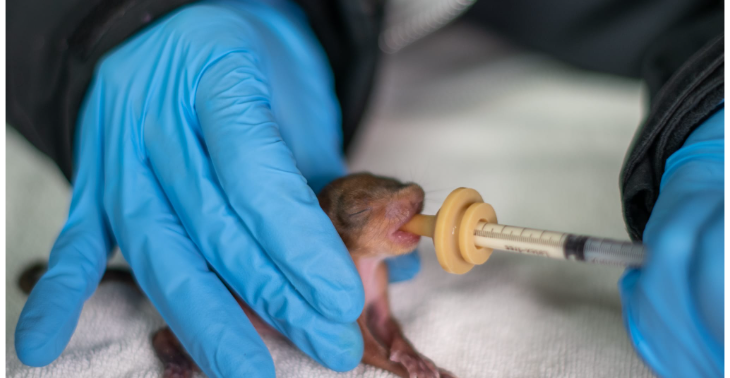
(452, 230)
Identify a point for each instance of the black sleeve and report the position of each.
(685, 100)
(675, 46)
(54, 45)
(349, 31)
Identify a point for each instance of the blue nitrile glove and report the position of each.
(404, 267)
(200, 146)
(674, 305)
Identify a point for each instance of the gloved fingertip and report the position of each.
(258, 365)
(49, 318)
(220, 339)
(347, 360)
(404, 267)
(33, 348)
(345, 352)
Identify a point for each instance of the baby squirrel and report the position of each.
(367, 211)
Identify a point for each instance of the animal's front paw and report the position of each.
(417, 365)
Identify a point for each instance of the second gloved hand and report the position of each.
(201, 144)
(674, 304)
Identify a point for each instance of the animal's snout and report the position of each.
(407, 202)
(414, 194)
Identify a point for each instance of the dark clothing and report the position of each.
(676, 46)
(54, 45)
(52, 48)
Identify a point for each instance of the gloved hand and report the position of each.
(200, 146)
(674, 305)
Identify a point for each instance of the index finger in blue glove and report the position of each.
(77, 261)
(259, 176)
(170, 269)
(186, 176)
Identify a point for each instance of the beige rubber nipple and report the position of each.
(452, 230)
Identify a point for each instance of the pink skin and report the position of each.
(403, 211)
(385, 344)
(405, 238)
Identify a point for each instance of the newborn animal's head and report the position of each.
(368, 211)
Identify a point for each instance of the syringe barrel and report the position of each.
(558, 245)
(614, 252)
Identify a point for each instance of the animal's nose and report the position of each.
(407, 202)
(413, 192)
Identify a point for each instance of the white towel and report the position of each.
(541, 142)
(517, 316)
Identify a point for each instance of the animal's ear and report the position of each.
(327, 194)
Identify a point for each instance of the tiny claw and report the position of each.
(416, 365)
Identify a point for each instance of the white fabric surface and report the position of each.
(543, 143)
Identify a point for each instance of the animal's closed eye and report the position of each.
(359, 212)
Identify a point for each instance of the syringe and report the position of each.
(465, 231)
